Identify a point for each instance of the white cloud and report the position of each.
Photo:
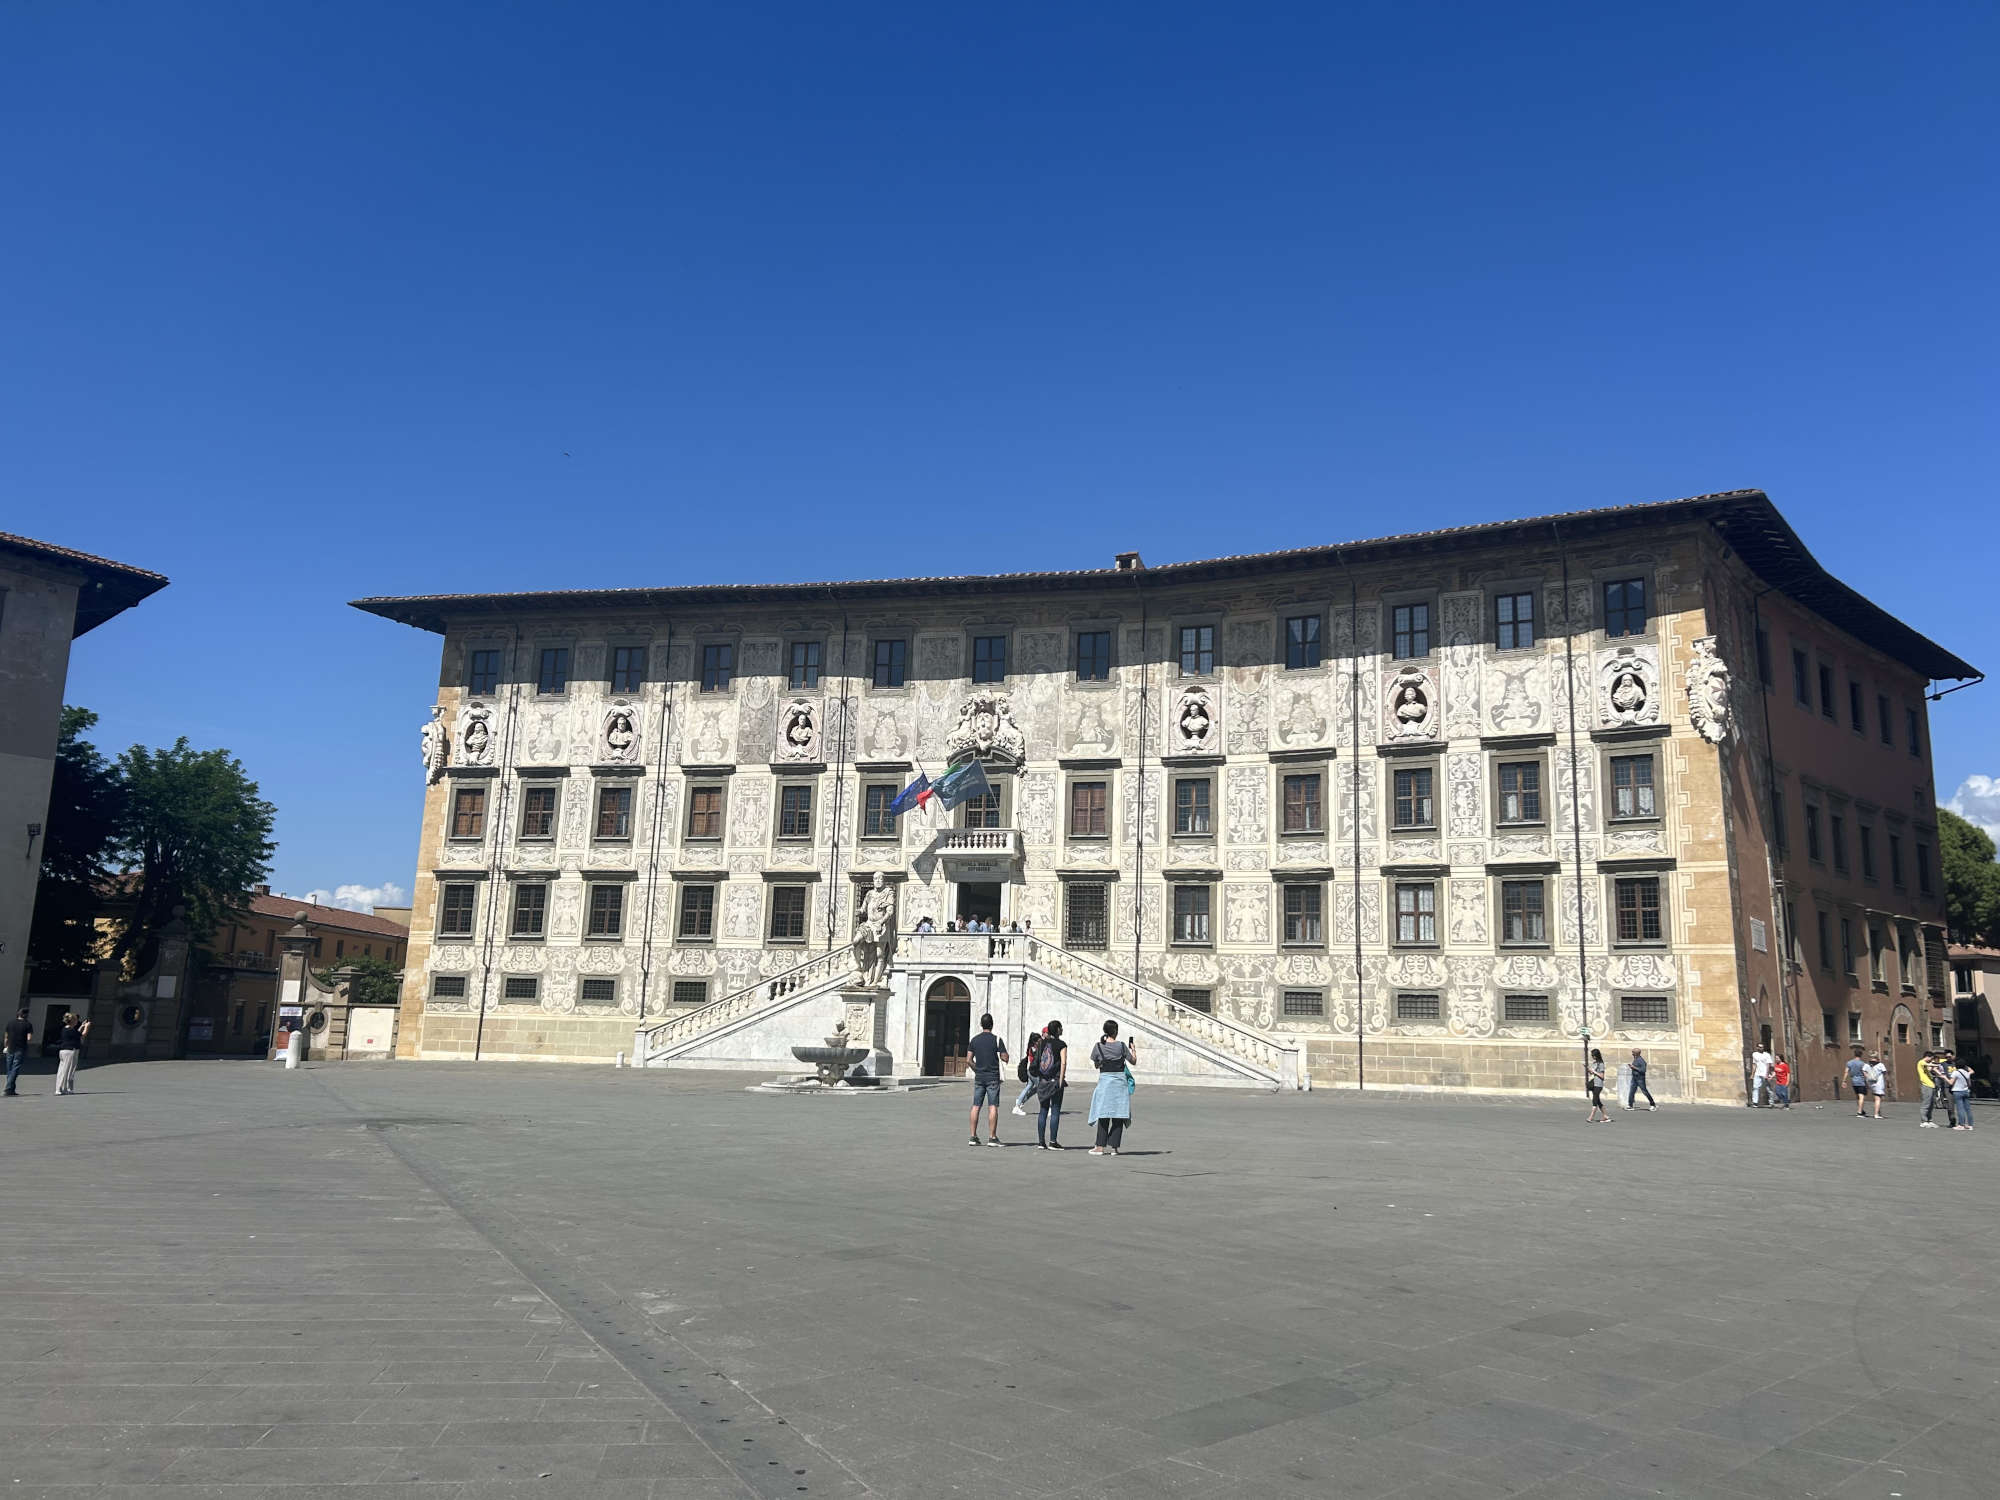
(361, 897)
(1977, 800)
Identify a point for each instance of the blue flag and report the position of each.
(916, 794)
(962, 783)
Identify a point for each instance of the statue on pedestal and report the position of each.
(875, 934)
(434, 746)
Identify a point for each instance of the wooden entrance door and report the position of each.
(947, 1029)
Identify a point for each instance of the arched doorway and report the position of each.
(1904, 1043)
(947, 1028)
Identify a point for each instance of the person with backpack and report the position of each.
(1025, 1071)
(1857, 1079)
(1051, 1073)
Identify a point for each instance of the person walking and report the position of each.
(1960, 1080)
(1593, 1084)
(19, 1034)
(1781, 1081)
(1026, 1072)
(69, 1045)
(1877, 1074)
(1857, 1079)
(1638, 1067)
(1760, 1073)
(1051, 1073)
(1111, 1100)
(987, 1052)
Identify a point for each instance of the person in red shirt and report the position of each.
(1781, 1081)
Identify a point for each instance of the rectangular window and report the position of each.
(718, 667)
(484, 678)
(597, 992)
(1303, 1003)
(607, 910)
(892, 660)
(1792, 933)
(1923, 858)
(1867, 838)
(1192, 797)
(795, 811)
(1911, 720)
(697, 911)
(1896, 860)
(1514, 621)
(1632, 787)
(1836, 827)
(1882, 718)
(1826, 1027)
(1625, 607)
(628, 668)
(704, 812)
(804, 672)
(1854, 1025)
(614, 812)
(1197, 650)
(1801, 677)
(1814, 850)
(877, 822)
(1523, 912)
(1878, 943)
(468, 813)
(521, 988)
(989, 658)
(1304, 925)
(1521, 791)
(1301, 642)
(538, 812)
(1856, 717)
(1416, 912)
(1638, 903)
(1415, 805)
(982, 811)
(1847, 947)
(1763, 656)
(788, 913)
(456, 904)
(554, 674)
(690, 992)
(1191, 913)
(1084, 914)
(1645, 1010)
(1201, 1000)
(1525, 1010)
(1781, 833)
(1412, 629)
(1825, 924)
(531, 909)
(1093, 655)
(1302, 805)
(447, 987)
(1086, 810)
(1419, 1008)
(1826, 691)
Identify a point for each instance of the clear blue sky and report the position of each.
(310, 301)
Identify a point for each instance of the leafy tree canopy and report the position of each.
(376, 981)
(86, 807)
(1971, 881)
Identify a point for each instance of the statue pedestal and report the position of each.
(867, 1016)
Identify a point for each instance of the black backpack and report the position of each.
(1049, 1064)
(1027, 1063)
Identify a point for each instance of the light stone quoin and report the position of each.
(725, 876)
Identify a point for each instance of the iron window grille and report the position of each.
(1085, 923)
(598, 992)
(690, 992)
(1646, 1010)
(1525, 1010)
(1419, 1008)
(521, 987)
(447, 986)
(1201, 1000)
(1303, 1003)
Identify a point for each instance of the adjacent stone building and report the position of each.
(49, 596)
(1419, 810)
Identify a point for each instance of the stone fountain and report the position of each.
(835, 1058)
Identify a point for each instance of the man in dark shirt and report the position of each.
(19, 1034)
(987, 1052)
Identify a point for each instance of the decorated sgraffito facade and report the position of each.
(1422, 810)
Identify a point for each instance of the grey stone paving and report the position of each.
(459, 1282)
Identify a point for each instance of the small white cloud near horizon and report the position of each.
(1977, 800)
(362, 897)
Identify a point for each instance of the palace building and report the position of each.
(1418, 811)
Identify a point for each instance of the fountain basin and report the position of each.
(832, 1062)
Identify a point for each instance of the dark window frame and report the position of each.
(1304, 642)
(1512, 629)
(468, 813)
(605, 910)
(1423, 918)
(1530, 812)
(1091, 655)
(1197, 650)
(1099, 815)
(991, 666)
(615, 806)
(889, 663)
(482, 672)
(718, 666)
(1424, 801)
(1646, 910)
(539, 824)
(458, 908)
(695, 920)
(1194, 802)
(804, 664)
(795, 811)
(1303, 815)
(1084, 929)
(1198, 917)
(1533, 915)
(528, 910)
(628, 669)
(1647, 792)
(790, 907)
(552, 667)
(697, 794)
(1410, 630)
(1302, 914)
(1627, 608)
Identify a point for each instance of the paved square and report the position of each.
(453, 1281)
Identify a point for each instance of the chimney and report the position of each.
(262, 890)
(1130, 562)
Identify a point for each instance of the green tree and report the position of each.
(376, 980)
(194, 834)
(86, 804)
(1971, 881)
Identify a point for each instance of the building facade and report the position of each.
(1421, 810)
(49, 596)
